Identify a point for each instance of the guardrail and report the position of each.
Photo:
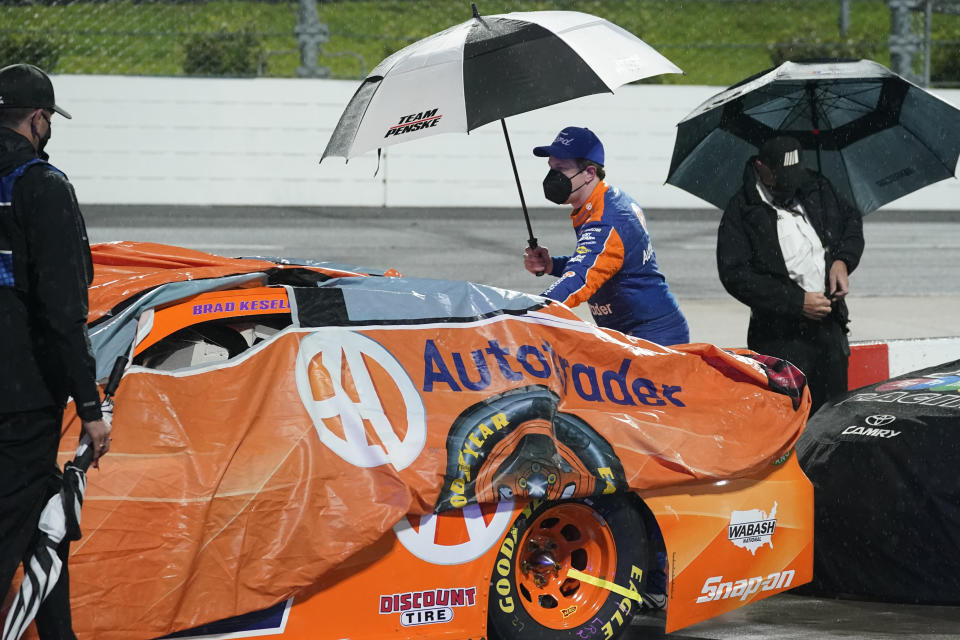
(874, 361)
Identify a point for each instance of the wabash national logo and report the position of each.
(752, 529)
(414, 122)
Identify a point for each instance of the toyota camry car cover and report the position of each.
(281, 416)
(883, 461)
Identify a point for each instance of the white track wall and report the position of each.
(909, 355)
(178, 141)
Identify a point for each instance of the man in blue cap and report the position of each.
(613, 267)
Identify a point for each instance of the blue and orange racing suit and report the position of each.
(615, 269)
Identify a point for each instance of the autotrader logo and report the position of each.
(338, 376)
(879, 420)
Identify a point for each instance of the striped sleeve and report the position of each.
(597, 258)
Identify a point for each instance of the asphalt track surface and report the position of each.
(904, 288)
(908, 254)
(910, 259)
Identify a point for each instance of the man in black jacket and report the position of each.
(785, 247)
(45, 356)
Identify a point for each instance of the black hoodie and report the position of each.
(45, 353)
(750, 262)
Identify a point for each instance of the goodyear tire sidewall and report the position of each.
(509, 619)
(481, 427)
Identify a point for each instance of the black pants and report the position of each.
(819, 349)
(29, 476)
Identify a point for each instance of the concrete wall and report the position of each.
(137, 140)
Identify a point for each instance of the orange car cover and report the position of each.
(233, 485)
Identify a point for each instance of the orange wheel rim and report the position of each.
(568, 535)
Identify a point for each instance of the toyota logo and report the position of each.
(880, 420)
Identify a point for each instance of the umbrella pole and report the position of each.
(531, 241)
(516, 175)
(815, 121)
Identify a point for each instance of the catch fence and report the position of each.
(715, 42)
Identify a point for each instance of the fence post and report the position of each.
(310, 33)
(927, 42)
(904, 44)
(843, 21)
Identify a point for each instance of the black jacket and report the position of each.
(751, 264)
(45, 351)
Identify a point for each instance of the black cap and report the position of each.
(784, 156)
(24, 85)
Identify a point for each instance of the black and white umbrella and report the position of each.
(59, 519)
(873, 134)
(487, 69)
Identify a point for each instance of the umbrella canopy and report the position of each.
(873, 134)
(487, 69)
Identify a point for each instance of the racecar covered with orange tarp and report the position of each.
(235, 483)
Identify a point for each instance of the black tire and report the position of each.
(512, 605)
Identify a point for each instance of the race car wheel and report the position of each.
(532, 594)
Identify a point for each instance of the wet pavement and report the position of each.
(905, 286)
(790, 617)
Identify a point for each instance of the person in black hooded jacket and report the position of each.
(785, 247)
(45, 355)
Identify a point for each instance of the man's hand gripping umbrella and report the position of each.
(59, 519)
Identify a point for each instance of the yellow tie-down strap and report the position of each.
(604, 584)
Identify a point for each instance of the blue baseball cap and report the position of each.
(574, 142)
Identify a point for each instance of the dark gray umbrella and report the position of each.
(874, 135)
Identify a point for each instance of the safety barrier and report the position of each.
(878, 360)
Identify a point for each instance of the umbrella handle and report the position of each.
(532, 243)
(115, 374)
(84, 455)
